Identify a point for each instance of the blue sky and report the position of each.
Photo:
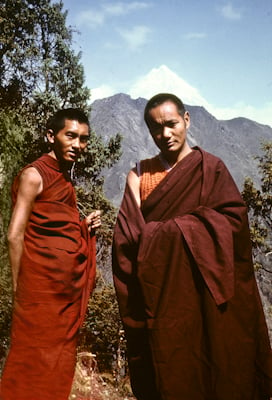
(211, 53)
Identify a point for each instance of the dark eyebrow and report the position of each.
(76, 134)
(170, 121)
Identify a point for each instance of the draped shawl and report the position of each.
(186, 289)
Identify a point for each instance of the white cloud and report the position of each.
(102, 92)
(262, 115)
(91, 18)
(121, 8)
(195, 35)
(135, 37)
(229, 12)
(95, 18)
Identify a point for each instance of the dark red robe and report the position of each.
(56, 277)
(186, 289)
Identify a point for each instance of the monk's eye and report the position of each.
(171, 124)
(84, 139)
(156, 130)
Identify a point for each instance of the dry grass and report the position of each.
(90, 385)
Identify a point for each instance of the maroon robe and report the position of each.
(56, 277)
(186, 289)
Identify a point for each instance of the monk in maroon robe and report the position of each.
(52, 256)
(183, 274)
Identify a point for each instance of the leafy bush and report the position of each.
(102, 330)
(259, 203)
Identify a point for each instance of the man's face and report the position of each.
(70, 141)
(168, 129)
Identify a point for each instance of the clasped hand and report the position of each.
(93, 220)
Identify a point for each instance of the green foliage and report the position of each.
(259, 203)
(88, 175)
(102, 327)
(16, 146)
(98, 156)
(38, 69)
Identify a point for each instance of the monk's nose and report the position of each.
(76, 143)
(166, 132)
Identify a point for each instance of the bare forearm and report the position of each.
(15, 255)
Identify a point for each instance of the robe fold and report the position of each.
(56, 277)
(186, 289)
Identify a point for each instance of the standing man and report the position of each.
(183, 273)
(52, 255)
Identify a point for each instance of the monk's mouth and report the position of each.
(72, 154)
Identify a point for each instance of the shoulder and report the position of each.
(151, 165)
(215, 170)
(133, 177)
(30, 175)
(30, 179)
(143, 165)
(150, 160)
(133, 181)
(212, 160)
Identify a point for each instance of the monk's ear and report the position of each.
(187, 119)
(50, 136)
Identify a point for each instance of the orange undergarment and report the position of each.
(152, 172)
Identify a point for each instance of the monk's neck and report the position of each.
(64, 166)
(172, 161)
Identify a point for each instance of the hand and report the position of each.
(94, 220)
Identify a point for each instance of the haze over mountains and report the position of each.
(235, 141)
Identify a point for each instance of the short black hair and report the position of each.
(57, 122)
(161, 98)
